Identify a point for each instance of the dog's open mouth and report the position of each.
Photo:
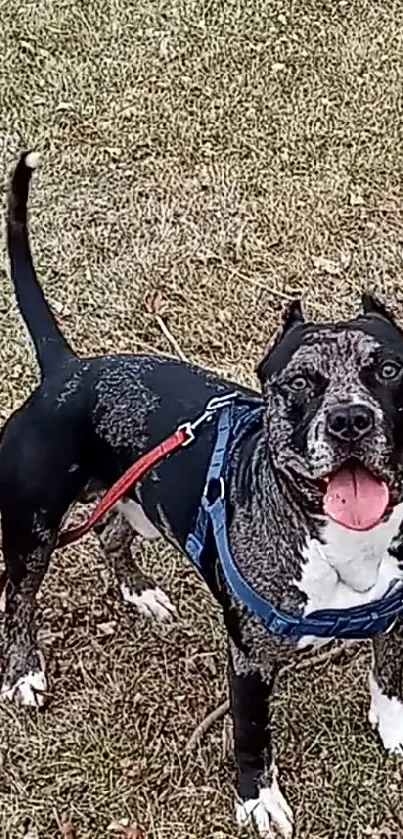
(354, 497)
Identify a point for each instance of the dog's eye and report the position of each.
(298, 383)
(390, 370)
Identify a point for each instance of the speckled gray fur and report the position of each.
(89, 419)
(122, 402)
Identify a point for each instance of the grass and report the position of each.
(227, 156)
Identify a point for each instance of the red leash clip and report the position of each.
(215, 404)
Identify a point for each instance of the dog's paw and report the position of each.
(152, 603)
(28, 690)
(269, 814)
(386, 715)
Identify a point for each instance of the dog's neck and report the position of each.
(268, 528)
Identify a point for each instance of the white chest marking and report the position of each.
(349, 568)
(134, 514)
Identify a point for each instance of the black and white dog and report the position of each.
(315, 494)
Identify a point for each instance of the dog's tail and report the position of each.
(50, 345)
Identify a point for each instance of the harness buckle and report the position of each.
(214, 487)
(187, 427)
(215, 404)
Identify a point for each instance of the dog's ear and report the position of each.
(372, 306)
(292, 317)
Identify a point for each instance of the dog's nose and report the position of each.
(349, 423)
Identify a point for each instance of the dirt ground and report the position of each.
(226, 155)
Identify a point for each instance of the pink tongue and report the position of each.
(355, 498)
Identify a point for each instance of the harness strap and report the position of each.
(357, 622)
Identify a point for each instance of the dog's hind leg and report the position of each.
(24, 671)
(386, 688)
(40, 477)
(29, 535)
(119, 540)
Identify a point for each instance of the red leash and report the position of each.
(133, 474)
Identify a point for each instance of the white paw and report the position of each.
(386, 714)
(269, 814)
(28, 690)
(151, 603)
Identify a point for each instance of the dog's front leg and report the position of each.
(260, 802)
(24, 677)
(386, 688)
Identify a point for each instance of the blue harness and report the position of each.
(238, 416)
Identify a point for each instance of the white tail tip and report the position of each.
(32, 159)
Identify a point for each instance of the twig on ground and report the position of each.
(127, 831)
(157, 307)
(274, 292)
(319, 658)
(208, 721)
(312, 661)
(164, 329)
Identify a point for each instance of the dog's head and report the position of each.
(334, 411)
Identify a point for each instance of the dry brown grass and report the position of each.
(219, 153)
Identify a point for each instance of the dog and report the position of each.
(314, 495)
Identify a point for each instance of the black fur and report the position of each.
(249, 700)
(50, 344)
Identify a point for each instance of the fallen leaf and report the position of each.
(135, 831)
(64, 106)
(126, 763)
(67, 827)
(155, 304)
(114, 152)
(131, 768)
(345, 259)
(31, 833)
